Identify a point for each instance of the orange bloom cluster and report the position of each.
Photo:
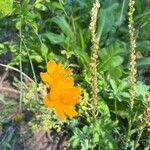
(63, 94)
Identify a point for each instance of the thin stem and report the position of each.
(61, 4)
(129, 129)
(3, 77)
(9, 90)
(32, 68)
(138, 138)
(121, 14)
(115, 105)
(21, 80)
(15, 69)
(42, 45)
(39, 38)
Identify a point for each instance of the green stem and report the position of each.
(115, 105)
(128, 139)
(21, 80)
(138, 138)
(121, 14)
(39, 38)
(61, 4)
(41, 44)
(32, 68)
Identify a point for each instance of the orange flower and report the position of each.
(54, 72)
(63, 94)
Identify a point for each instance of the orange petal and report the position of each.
(55, 93)
(46, 77)
(70, 96)
(51, 66)
(75, 91)
(59, 111)
(68, 82)
(70, 111)
(48, 102)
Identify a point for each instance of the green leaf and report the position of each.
(143, 46)
(96, 138)
(141, 89)
(125, 94)
(39, 5)
(75, 141)
(109, 57)
(123, 85)
(115, 73)
(145, 30)
(82, 56)
(121, 113)
(56, 5)
(84, 145)
(105, 25)
(143, 61)
(103, 108)
(54, 38)
(113, 85)
(63, 25)
(44, 50)
(6, 7)
(37, 58)
(24, 8)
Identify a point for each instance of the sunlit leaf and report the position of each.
(6, 7)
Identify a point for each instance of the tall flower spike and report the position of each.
(146, 115)
(94, 49)
(132, 52)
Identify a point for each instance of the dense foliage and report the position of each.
(32, 32)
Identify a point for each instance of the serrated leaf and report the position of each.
(103, 108)
(109, 57)
(141, 89)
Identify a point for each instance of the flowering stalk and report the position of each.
(132, 62)
(94, 49)
(146, 114)
(145, 118)
(132, 53)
